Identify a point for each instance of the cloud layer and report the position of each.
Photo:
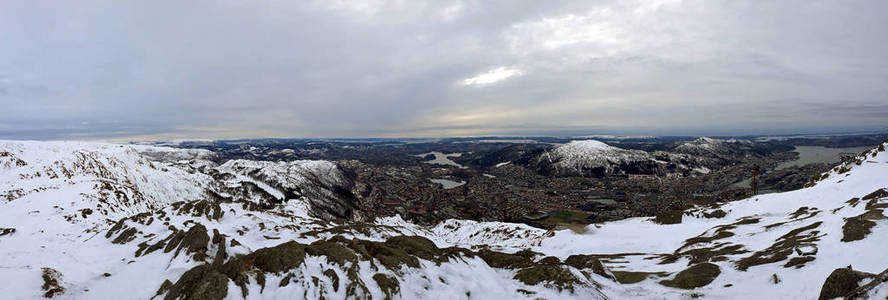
(226, 69)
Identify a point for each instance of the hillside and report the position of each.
(591, 158)
(93, 220)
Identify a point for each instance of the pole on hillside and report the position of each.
(754, 182)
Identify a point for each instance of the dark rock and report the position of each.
(333, 251)
(504, 260)
(718, 214)
(698, 275)
(550, 260)
(669, 216)
(856, 228)
(283, 257)
(552, 275)
(587, 262)
(388, 284)
(5, 231)
(842, 282)
(201, 282)
(51, 286)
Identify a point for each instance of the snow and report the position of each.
(503, 164)
(45, 186)
(584, 154)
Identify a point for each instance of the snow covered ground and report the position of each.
(85, 216)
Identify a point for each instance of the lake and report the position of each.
(448, 184)
(442, 159)
(809, 155)
(818, 154)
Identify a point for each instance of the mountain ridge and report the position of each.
(169, 214)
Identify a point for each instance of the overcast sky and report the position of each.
(228, 69)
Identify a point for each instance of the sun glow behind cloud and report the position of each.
(492, 76)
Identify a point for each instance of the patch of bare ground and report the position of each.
(783, 247)
(629, 277)
(6, 231)
(858, 227)
(704, 248)
(51, 286)
(695, 276)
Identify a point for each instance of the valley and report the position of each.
(223, 221)
(501, 179)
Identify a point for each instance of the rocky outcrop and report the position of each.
(210, 280)
(842, 282)
(322, 184)
(698, 275)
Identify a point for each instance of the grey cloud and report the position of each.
(220, 69)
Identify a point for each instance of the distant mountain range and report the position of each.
(111, 221)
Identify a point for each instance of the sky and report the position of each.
(160, 70)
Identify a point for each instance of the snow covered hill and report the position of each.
(711, 146)
(108, 221)
(596, 159)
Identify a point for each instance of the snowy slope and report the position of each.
(251, 228)
(818, 213)
(155, 217)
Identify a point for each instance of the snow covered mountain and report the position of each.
(97, 221)
(713, 147)
(596, 159)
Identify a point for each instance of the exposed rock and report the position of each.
(856, 228)
(783, 247)
(551, 275)
(195, 242)
(842, 282)
(201, 282)
(877, 282)
(51, 286)
(550, 260)
(669, 216)
(798, 262)
(334, 252)
(333, 277)
(880, 193)
(388, 284)
(277, 259)
(588, 262)
(322, 184)
(717, 214)
(628, 277)
(693, 277)
(5, 231)
(504, 260)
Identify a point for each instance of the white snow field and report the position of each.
(111, 221)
